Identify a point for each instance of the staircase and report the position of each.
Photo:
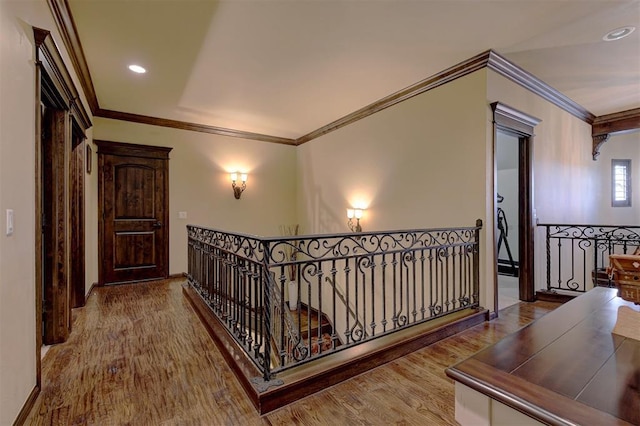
(314, 327)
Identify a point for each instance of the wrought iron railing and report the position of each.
(358, 287)
(578, 255)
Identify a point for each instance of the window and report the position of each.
(621, 183)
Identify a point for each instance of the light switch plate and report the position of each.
(9, 221)
(182, 215)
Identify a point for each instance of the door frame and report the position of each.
(54, 87)
(130, 150)
(510, 120)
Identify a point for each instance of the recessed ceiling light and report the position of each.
(618, 33)
(137, 68)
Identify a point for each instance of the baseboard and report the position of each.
(89, 292)
(551, 296)
(27, 407)
(322, 373)
(178, 275)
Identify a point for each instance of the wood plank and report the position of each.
(138, 354)
(530, 340)
(558, 368)
(615, 388)
(536, 401)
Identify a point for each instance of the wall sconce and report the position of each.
(357, 214)
(238, 189)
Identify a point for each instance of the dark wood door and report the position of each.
(134, 201)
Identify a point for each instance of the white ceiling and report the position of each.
(287, 67)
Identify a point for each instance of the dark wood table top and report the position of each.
(566, 367)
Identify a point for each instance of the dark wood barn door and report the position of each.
(134, 205)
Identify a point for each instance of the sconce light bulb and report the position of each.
(234, 177)
(358, 213)
(243, 177)
(350, 213)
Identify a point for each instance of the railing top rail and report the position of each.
(337, 235)
(588, 226)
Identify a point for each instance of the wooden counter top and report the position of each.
(565, 368)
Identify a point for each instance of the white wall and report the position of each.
(419, 164)
(199, 182)
(620, 147)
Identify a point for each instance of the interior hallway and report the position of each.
(138, 354)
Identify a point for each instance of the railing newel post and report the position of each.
(476, 262)
(266, 312)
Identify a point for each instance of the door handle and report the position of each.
(158, 224)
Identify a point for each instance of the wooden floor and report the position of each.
(139, 355)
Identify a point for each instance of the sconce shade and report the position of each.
(357, 214)
(238, 189)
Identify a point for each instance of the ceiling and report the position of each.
(286, 68)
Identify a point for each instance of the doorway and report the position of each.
(60, 127)
(133, 196)
(514, 226)
(507, 215)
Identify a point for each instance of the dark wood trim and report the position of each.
(613, 124)
(194, 127)
(132, 150)
(508, 69)
(77, 162)
(485, 379)
(450, 74)
(489, 59)
(28, 405)
(332, 369)
(177, 276)
(552, 296)
(512, 118)
(38, 220)
(558, 368)
(237, 360)
(521, 125)
(93, 285)
(55, 73)
(526, 224)
(67, 26)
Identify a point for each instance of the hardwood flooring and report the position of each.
(139, 355)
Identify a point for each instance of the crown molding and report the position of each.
(54, 75)
(67, 27)
(506, 116)
(509, 70)
(460, 70)
(194, 127)
(489, 59)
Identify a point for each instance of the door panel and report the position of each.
(134, 202)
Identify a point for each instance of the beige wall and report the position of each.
(17, 192)
(419, 164)
(426, 162)
(199, 181)
(566, 188)
(621, 147)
